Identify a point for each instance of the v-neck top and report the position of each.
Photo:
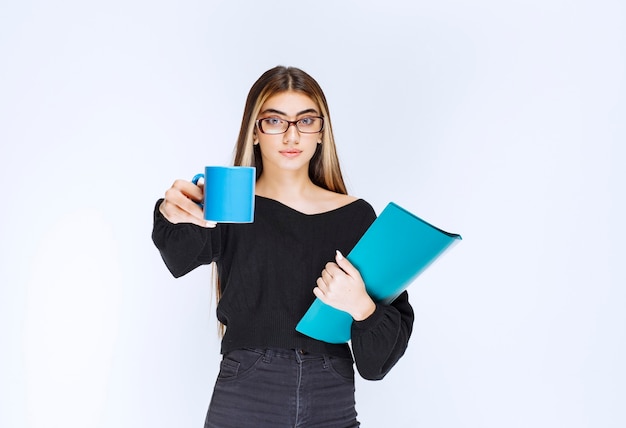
(274, 201)
(267, 272)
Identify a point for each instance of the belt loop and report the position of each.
(326, 361)
(267, 356)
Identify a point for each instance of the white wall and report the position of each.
(503, 121)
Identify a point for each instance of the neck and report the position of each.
(287, 185)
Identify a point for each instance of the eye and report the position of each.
(307, 121)
(273, 121)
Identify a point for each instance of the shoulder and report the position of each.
(328, 200)
(363, 211)
(340, 200)
(357, 212)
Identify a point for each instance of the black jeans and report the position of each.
(283, 388)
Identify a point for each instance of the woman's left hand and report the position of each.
(342, 287)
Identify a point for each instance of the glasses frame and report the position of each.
(289, 123)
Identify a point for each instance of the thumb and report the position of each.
(345, 264)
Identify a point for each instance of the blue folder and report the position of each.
(396, 248)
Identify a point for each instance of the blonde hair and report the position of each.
(324, 169)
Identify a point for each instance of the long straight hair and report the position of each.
(324, 169)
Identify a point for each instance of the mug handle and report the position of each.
(195, 180)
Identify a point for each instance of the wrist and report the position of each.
(365, 310)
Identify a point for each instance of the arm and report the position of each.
(184, 246)
(380, 340)
(380, 333)
(183, 237)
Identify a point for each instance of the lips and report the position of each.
(290, 153)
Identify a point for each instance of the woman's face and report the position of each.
(293, 149)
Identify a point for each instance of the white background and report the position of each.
(503, 121)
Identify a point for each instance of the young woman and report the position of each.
(270, 271)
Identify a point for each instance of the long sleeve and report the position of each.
(184, 246)
(379, 341)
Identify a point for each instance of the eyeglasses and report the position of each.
(275, 125)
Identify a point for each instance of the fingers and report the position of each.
(180, 204)
(346, 266)
(341, 267)
(326, 275)
(330, 276)
(320, 294)
(332, 270)
(336, 272)
(340, 285)
(175, 215)
(191, 192)
(184, 196)
(324, 282)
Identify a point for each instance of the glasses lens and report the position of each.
(306, 125)
(273, 125)
(310, 125)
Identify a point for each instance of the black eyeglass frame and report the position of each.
(289, 123)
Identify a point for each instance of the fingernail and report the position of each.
(339, 255)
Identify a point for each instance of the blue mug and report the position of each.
(228, 193)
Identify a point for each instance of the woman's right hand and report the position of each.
(181, 204)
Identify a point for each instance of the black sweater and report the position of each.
(267, 271)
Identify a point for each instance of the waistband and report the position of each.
(291, 354)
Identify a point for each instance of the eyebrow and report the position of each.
(274, 111)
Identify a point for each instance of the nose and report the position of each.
(291, 134)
